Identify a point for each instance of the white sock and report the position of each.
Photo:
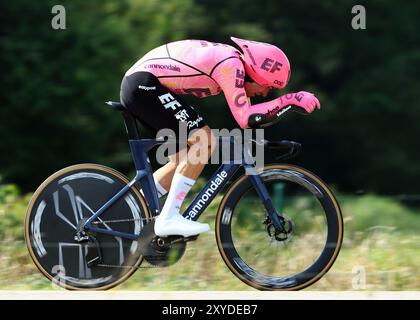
(180, 186)
(160, 190)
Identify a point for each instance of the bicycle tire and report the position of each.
(259, 281)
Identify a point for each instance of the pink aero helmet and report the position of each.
(266, 64)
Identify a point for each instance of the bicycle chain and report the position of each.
(123, 220)
(120, 221)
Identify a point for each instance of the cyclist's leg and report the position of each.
(146, 98)
(201, 144)
(190, 164)
(140, 93)
(200, 147)
(163, 176)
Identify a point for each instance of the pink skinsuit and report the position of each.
(204, 69)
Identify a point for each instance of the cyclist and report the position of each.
(151, 90)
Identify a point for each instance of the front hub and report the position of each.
(280, 234)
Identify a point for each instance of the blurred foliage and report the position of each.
(381, 236)
(54, 83)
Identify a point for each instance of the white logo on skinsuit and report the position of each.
(169, 101)
(147, 88)
(182, 115)
(194, 123)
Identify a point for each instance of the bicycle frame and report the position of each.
(144, 176)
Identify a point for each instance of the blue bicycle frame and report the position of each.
(144, 175)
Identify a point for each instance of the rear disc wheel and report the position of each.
(69, 196)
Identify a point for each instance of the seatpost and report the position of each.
(131, 125)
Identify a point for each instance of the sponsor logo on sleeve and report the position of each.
(241, 103)
(283, 111)
(272, 112)
(240, 78)
(299, 96)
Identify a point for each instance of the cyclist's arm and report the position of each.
(230, 75)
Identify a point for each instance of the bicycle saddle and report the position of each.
(115, 105)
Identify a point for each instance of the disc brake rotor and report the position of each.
(280, 235)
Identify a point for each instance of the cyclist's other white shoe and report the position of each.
(178, 225)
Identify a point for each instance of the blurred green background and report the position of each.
(363, 142)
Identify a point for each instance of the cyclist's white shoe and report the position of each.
(178, 225)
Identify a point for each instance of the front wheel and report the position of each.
(289, 259)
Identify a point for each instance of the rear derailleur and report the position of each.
(94, 254)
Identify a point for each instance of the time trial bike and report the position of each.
(89, 227)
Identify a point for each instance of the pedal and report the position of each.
(160, 252)
(93, 255)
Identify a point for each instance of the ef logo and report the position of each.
(359, 20)
(58, 22)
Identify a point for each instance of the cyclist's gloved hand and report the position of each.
(269, 113)
(306, 101)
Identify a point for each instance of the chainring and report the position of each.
(160, 251)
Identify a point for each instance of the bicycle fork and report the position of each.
(266, 199)
(259, 185)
